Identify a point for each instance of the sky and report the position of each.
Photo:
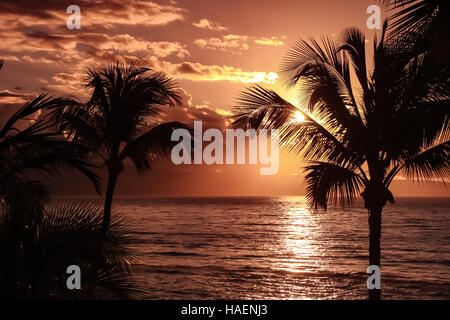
(213, 49)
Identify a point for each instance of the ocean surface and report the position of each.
(276, 248)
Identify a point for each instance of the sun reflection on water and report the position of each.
(301, 239)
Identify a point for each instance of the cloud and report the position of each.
(193, 71)
(231, 42)
(71, 84)
(236, 44)
(206, 24)
(105, 13)
(90, 42)
(165, 48)
(129, 44)
(8, 94)
(67, 78)
(10, 58)
(198, 72)
(188, 112)
(272, 41)
(12, 97)
(35, 38)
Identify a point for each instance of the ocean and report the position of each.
(277, 248)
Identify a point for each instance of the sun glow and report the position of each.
(298, 117)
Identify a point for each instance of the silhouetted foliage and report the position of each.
(423, 26)
(413, 15)
(38, 244)
(30, 142)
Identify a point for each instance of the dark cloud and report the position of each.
(96, 12)
(40, 9)
(186, 67)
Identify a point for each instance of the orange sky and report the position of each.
(214, 48)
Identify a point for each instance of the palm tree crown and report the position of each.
(118, 121)
(399, 122)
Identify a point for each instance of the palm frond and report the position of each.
(353, 42)
(412, 15)
(323, 75)
(49, 155)
(432, 163)
(68, 234)
(42, 102)
(40, 146)
(153, 144)
(78, 226)
(330, 183)
(419, 112)
(80, 123)
(262, 108)
(303, 57)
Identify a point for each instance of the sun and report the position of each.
(298, 117)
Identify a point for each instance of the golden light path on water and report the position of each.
(301, 242)
(298, 240)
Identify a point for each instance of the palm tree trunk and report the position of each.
(112, 180)
(375, 245)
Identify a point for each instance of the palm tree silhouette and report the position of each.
(55, 238)
(416, 15)
(115, 121)
(424, 24)
(30, 143)
(358, 134)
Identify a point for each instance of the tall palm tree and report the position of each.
(118, 121)
(359, 132)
